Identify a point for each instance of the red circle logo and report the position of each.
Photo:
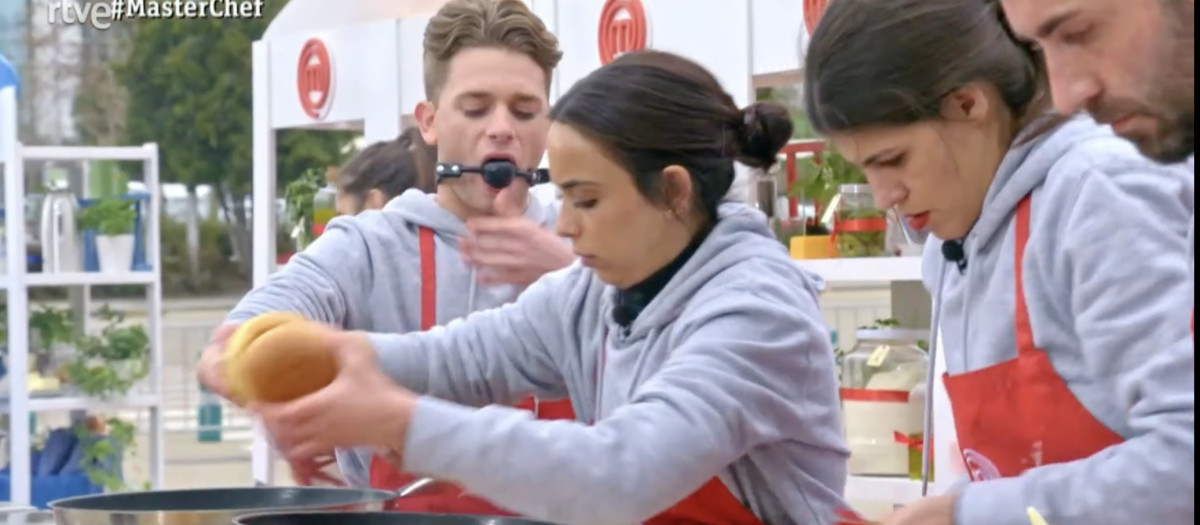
(812, 13)
(314, 78)
(623, 29)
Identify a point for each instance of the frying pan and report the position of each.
(376, 518)
(217, 506)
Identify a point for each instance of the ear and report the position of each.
(968, 103)
(677, 188)
(424, 113)
(374, 200)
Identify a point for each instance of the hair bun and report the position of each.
(765, 129)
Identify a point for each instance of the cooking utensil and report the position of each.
(376, 518)
(218, 506)
(1035, 517)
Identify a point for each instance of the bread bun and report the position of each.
(278, 357)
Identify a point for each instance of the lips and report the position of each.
(918, 221)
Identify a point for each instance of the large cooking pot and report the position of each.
(376, 518)
(216, 506)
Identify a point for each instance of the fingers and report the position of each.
(223, 333)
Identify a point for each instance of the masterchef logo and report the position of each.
(314, 79)
(623, 29)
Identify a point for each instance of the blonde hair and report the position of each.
(503, 24)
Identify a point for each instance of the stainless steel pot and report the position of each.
(376, 518)
(217, 506)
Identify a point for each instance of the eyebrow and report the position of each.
(874, 159)
(572, 184)
(1048, 27)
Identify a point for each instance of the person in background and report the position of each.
(384, 170)
(423, 259)
(685, 334)
(1057, 261)
(1131, 63)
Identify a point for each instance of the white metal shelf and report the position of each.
(67, 403)
(18, 402)
(42, 280)
(865, 269)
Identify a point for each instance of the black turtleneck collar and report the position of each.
(631, 301)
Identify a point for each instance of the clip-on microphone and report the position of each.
(498, 174)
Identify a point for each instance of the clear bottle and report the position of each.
(883, 382)
(859, 227)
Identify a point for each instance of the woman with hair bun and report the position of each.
(691, 346)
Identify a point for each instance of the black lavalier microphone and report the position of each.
(498, 174)
(953, 252)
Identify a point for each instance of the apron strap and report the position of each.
(1025, 344)
(428, 280)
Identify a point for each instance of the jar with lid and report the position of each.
(859, 227)
(883, 402)
(324, 204)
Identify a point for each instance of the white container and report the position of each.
(883, 383)
(115, 253)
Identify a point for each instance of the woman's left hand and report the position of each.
(934, 510)
(361, 407)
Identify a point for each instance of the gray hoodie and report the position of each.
(728, 372)
(1106, 283)
(364, 273)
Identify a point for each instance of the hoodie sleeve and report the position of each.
(1130, 310)
(317, 282)
(744, 370)
(491, 356)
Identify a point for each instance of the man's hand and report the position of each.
(211, 368)
(513, 250)
(933, 510)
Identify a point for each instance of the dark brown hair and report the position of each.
(391, 167)
(503, 24)
(650, 110)
(891, 63)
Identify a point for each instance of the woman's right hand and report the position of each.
(211, 368)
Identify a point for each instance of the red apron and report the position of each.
(1019, 414)
(447, 497)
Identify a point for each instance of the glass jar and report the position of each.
(883, 402)
(324, 208)
(859, 228)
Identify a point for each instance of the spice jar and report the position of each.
(883, 402)
(859, 228)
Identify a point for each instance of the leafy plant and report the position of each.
(821, 176)
(109, 216)
(95, 369)
(102, 447)
(299, 195)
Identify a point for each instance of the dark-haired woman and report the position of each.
(384, 170)
(1061, 277)
(691, 347)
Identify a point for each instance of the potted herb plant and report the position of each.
(53, 340)
(111, 363)
(113, 220)
(299, 195)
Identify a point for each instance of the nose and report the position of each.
(500, 127)
(887, 194)
(567, 224)
(1071, 86)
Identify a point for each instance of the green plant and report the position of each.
(109, 216)
(111, 363)
(299, 196)
(51, 326)
(821, 176)
(99, 458)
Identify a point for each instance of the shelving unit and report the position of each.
(16, 283)
(903, 275)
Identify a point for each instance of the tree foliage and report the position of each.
(190, 90)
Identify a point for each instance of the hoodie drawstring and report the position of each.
(930, 377)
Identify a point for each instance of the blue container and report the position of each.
(56, 472)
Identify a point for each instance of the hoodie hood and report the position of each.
(741, 233)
